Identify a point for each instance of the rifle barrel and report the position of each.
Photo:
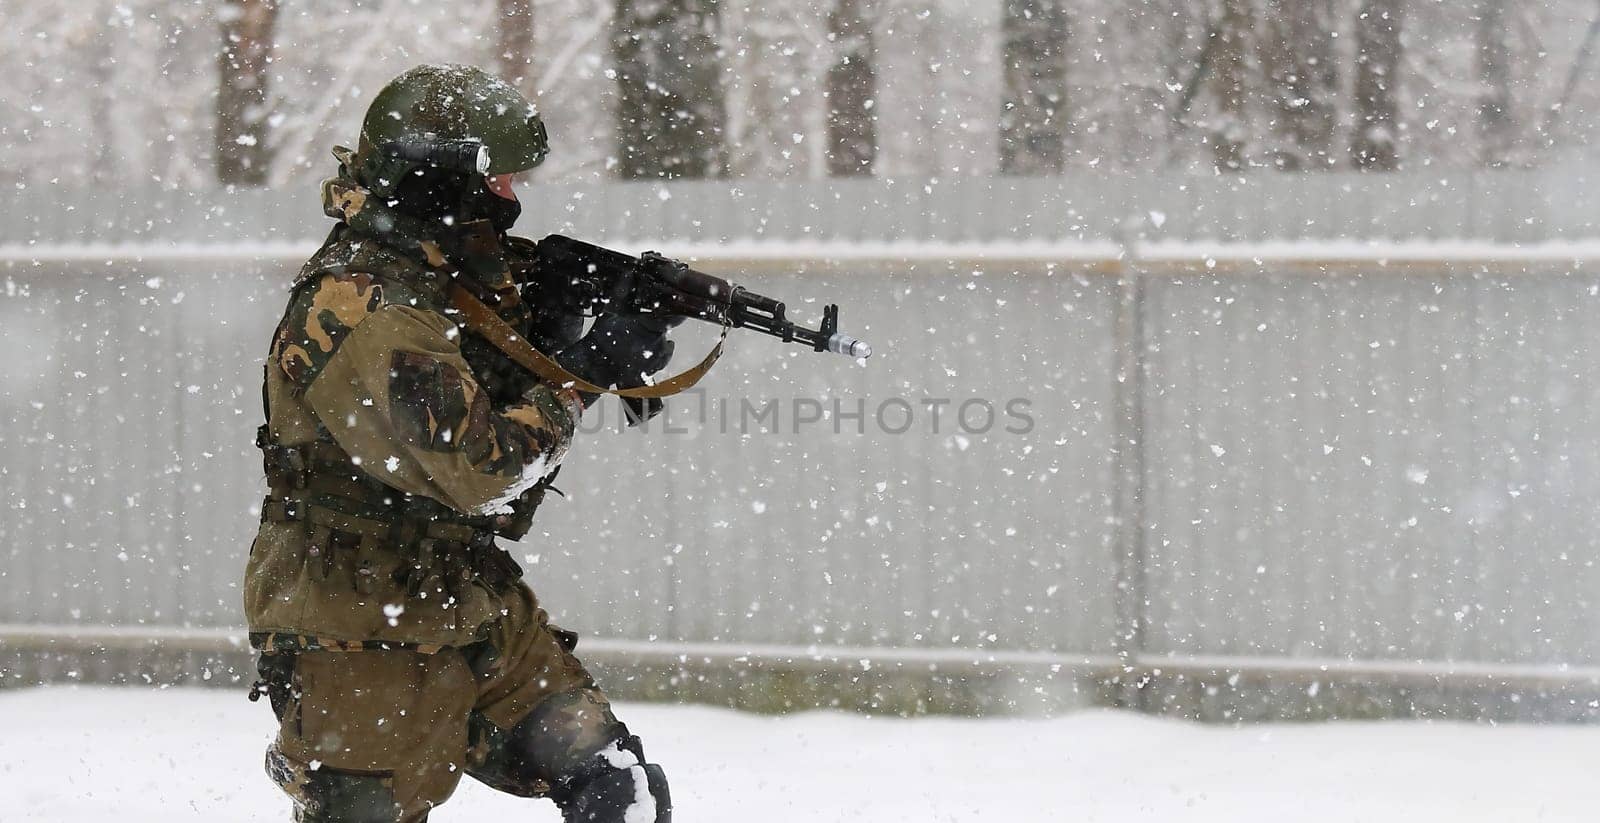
(849, 346)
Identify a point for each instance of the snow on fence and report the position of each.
(1507, 207)
(1127, 440)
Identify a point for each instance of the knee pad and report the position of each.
(617, 786)
(327, 795)
(558, 739)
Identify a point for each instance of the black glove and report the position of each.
(552, 324)
(554, 330)
(621, 350)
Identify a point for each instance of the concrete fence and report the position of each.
(1143, 453)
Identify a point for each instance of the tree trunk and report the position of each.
(1229, 79)
(1298, 53)
(243, 62)
(515, 58)
(107, 169)
(670, 111)
(1497, 129)
(1033, 117)
(852, 85)
(1374, 145)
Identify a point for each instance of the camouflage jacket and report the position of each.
(366, 364)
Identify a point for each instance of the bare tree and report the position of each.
(1033, 118)
(852, 85)
(1496, 126)
(1297, 53)
(1374, 143)
(1183, 73)
(515, 56)
(1230, 68)
(670, 111)
(243, 149)
(1471, 83)
(777, 104)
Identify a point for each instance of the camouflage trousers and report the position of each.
(385, 735)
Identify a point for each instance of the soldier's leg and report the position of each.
(370, 736)
(542, 728)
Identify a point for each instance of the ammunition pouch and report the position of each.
(344, 510)
(276, 680)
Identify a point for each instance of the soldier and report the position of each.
(398, 645)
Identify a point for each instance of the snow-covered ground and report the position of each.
(137, 756)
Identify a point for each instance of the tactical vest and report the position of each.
(318, 485)
(360, 532)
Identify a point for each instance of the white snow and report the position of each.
(643, 807)
(141, 756)
(530, 476)
(617, 758)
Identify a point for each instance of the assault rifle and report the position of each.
(590, 280)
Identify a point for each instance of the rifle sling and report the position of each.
(483, 321)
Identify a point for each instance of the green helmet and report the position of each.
(442, 114)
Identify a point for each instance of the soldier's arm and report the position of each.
(398, 396)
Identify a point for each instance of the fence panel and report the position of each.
(1362, 460)
(1374, 465)
(752, 513)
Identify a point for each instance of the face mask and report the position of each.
(430, 194)
(433, 194)
(486, 205)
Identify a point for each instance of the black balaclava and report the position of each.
(453, 199)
